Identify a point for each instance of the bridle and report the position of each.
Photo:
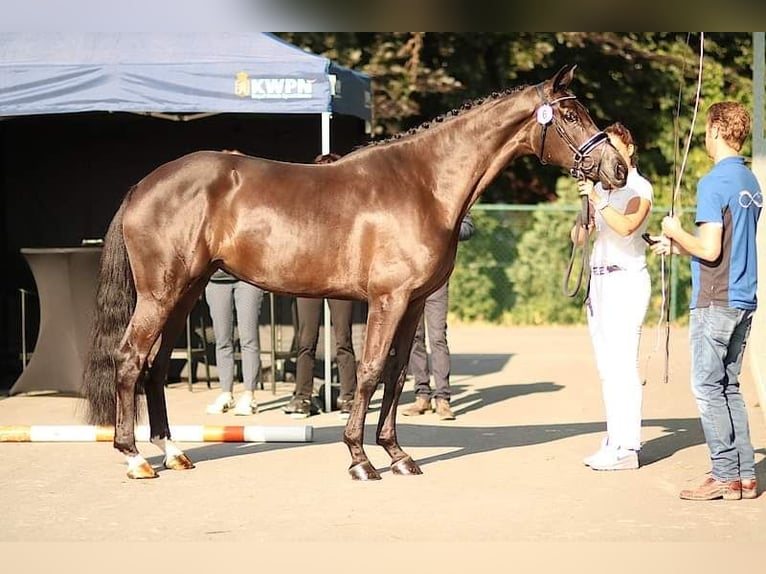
(582, 162)
(581, 153)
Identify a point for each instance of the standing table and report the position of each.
(66, 281)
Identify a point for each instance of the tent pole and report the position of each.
(327, 333)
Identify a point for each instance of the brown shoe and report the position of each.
(749, 488)
(422, 405)
(713, 489)
(444, 411)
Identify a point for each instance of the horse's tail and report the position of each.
(115, 303)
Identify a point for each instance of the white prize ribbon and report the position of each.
(544, 114)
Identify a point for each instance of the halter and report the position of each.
(545, 118)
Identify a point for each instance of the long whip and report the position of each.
(678, 174)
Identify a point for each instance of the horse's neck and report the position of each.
(473, 148)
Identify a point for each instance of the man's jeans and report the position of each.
(718, 338)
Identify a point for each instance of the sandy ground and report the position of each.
(508, 470)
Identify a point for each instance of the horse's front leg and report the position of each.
(393, 381)
(382, 321)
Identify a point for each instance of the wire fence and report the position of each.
(512, 271)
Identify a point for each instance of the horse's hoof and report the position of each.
(405, 466)
(179, 462)
(143, 470)
(364, 471)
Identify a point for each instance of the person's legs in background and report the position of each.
(247, 301)
(435, 314)
(418, 366)
(309, 313)
(434, 319)
(341, 314)
(220, 300)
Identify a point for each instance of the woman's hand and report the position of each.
(586, 188)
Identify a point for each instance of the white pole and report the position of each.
(758, 338)
(180, 433)
(327, 334)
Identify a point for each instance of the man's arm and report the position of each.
(705, 245)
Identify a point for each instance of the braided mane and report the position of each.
(469, 105)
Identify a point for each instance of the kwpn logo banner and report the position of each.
(274, 88)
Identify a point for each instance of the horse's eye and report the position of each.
(570, 116)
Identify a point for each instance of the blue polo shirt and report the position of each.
(728, 195)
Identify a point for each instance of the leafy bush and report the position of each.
(479, 287)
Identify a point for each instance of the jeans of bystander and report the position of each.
(718, 339)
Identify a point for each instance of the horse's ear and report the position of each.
(563, 78)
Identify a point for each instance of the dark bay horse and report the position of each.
(380, 225)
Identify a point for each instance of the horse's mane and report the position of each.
(469, 105)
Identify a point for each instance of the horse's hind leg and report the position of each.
(159, 428)
(131, 360)
(393, 380)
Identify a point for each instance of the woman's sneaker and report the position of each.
(220, 405)
(246, 405)
(595, 456)
(615, 459)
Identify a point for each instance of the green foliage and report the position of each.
(539, 269)
(479, 288)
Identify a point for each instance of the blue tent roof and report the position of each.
(172, 72)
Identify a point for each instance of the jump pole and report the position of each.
(180, 433)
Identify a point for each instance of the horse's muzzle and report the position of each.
(612, 172)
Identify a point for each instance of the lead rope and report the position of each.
(583, 217)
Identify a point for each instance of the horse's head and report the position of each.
(569, 138)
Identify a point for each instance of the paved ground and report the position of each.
(507, 470)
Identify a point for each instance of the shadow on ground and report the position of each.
(678, 434)
(476, 365)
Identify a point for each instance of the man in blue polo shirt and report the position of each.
(724, 283)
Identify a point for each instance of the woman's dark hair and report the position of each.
(624, 135)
